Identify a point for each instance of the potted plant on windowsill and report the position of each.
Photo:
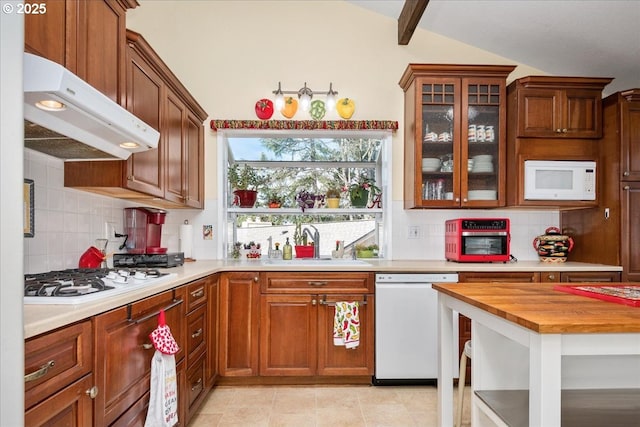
(244, 182)
(359, 191)
(275, 200)
(333, 198)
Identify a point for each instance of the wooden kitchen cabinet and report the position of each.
(197, 345)
(239, 323)
(552, 118)
(610, 233)
(455, 117)
(579, 276)
(86, 37)
(558, 107)
(213, 331)
(124, 351)
(170, 176)
(296, 324)
(59, 385)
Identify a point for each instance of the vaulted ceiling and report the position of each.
(593, 38)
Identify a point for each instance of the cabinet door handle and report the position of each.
(197, 333)
(564, 130)
(147, 346)
(317, 283)
(314, 301)
(198, 293)
(92, 392)
(558, 130)
(626, 173)
(196, 385)
(551, 276)
(256, 279)
(175, 303)
(626, 188)
(44, 369)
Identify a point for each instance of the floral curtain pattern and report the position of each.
(306, 124)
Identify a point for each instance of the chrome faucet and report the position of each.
(315, 238)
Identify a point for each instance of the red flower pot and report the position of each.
(304, 251)
(244, 198)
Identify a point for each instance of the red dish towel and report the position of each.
(346, 324)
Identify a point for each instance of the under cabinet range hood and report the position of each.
(69, 119)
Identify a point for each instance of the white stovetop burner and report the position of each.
(116, 282)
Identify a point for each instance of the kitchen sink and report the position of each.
(313, 262)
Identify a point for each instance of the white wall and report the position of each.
(11, 222)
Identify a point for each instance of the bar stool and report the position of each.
(466, 354)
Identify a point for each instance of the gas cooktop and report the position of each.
(77, 286)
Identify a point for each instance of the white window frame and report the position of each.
(385, 181)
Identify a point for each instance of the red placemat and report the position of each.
(621, 294)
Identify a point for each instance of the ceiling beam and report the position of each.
(409, 17)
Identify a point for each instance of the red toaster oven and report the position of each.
(477, 240)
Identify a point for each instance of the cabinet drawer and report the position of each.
(196, 333)
(72, 407)
(580, 276)
(196, 294)
(55, 360)
(331, 282)
(195, 382)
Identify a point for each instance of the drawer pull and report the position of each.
(197, 333)
(147, 346)
(92, 392)
(198, 294)
(197, 385)
(175, 303)
(44, 369)
(317, 283)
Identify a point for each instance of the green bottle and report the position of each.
(287, 250)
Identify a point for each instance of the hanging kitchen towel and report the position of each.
(163, 398)
(346, 324)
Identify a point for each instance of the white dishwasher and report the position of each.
(406, 324)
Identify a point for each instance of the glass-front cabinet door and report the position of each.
(440, 152)
(455, 140)
(483, 142)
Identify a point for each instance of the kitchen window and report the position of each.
(292, 162)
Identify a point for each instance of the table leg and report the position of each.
(445, 363)
(545, 380)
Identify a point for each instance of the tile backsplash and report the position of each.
(68, 221)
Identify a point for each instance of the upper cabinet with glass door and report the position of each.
(455, 133)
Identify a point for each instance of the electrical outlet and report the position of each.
(414, 232)
(109, 230)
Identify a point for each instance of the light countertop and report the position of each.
(43, 318)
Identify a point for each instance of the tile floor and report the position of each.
(355, 406)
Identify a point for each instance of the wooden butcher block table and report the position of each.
(542, 357)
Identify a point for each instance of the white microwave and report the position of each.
(559, 180)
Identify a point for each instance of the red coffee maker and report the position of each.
(144, 229)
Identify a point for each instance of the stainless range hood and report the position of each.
(89, 125)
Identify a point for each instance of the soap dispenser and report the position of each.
(287, 250)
